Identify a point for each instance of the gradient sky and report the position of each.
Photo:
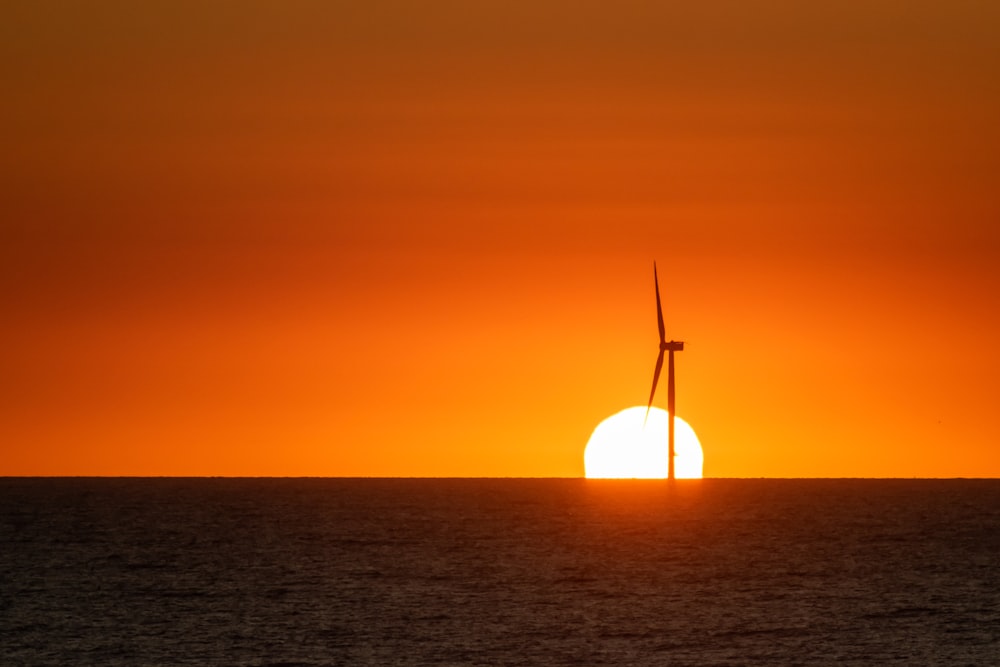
(416, 238)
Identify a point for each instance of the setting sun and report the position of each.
(621, 447)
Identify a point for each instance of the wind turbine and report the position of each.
(671, 347)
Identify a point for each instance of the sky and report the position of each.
(401, 238)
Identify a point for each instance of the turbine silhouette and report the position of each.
(671, 347)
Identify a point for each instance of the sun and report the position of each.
(621, 448)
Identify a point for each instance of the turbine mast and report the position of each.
(670, 411)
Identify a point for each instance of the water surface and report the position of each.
(498, 572)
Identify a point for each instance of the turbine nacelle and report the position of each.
(672, 346)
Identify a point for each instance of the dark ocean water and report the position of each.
(498, 572)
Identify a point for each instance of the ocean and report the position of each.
(284, 572)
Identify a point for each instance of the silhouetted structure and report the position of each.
(671, 347)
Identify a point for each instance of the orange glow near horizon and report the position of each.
(417, 240)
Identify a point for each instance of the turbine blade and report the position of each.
(652, 392)
(659, 310)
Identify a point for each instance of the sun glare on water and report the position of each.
(621, 448)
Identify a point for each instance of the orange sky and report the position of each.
(416, 238)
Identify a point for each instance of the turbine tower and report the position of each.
(671, 347)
